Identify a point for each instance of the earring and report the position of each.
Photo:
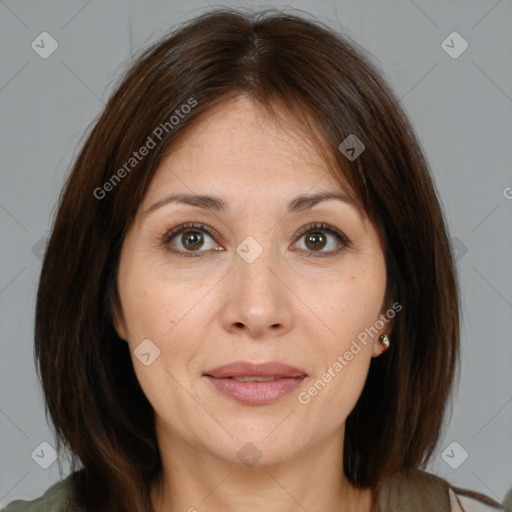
(384, 339)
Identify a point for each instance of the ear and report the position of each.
(378, 347)
(116, 313)
(119, 326)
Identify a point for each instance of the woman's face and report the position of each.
(250, 291)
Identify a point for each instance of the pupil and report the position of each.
(195, 238)
(318, 240)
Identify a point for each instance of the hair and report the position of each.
(290, 66)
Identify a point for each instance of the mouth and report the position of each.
(255, 384)
(243, 369)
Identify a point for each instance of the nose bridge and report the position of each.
(256, 265)
(256, 293)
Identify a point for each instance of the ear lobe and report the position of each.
(115, 311)
(117, 320)
(378, 346)
(119, 327)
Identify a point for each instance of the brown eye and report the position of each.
(192, 240)
(315, 240)
(318, 237)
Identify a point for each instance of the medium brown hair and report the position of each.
(324, 81)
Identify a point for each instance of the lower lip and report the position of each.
(256, 393)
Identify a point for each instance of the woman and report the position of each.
(248, 300)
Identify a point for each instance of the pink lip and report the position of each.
(256, 393)
(247, 369)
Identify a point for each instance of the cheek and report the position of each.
(348, 305)
(165, 313)
(158, 313)
(330, 396)
(333, 392)
(153, 303)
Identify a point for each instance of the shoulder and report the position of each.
(55, 499)
(413, 489)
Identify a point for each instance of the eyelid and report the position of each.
(170, 233)
(322, 226)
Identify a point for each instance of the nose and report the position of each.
(258, 299)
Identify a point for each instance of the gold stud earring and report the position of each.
(384, 339)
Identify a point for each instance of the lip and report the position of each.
(248, 369)
(255, 393)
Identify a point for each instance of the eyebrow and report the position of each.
(207, 202)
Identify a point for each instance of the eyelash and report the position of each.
(170, 234)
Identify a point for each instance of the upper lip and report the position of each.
(248, 369)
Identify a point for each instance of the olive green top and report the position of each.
(421, 492)
(55, 499)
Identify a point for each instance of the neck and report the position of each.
(196, 480)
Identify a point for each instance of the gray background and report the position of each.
(462, 111)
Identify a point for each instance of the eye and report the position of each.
(316, 239)
(191, 241)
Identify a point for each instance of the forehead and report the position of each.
(238, 144)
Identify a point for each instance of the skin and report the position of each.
(289, 305)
